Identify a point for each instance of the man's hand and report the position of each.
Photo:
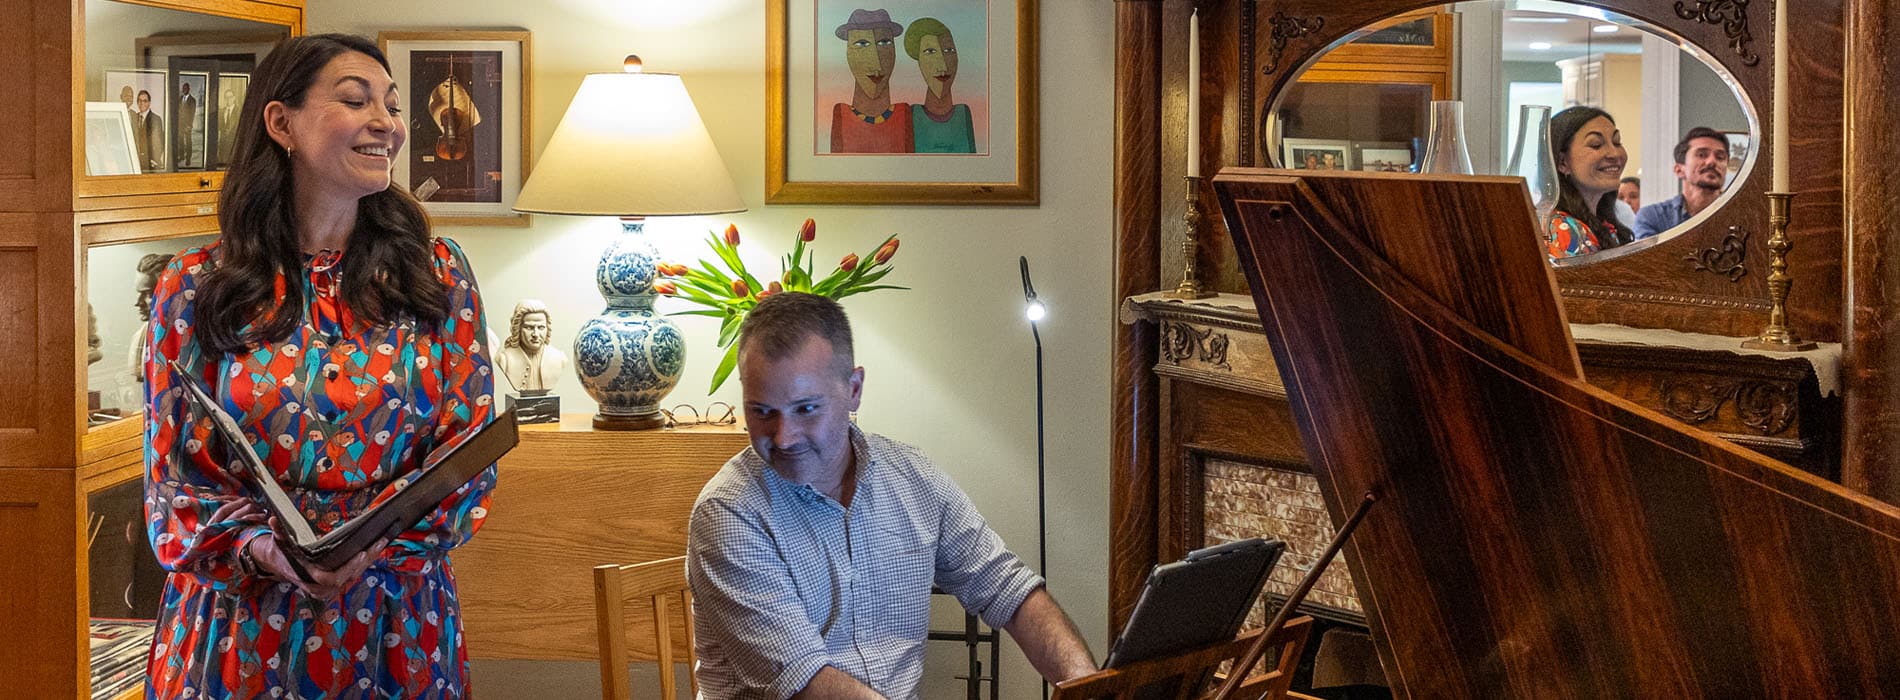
(833, 684)
(1050, 639)
(325, 584)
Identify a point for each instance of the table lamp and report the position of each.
(631, 145)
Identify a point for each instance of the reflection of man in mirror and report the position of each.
(870, 123)
(148, 269)
(526, 360)
(148, 133)
(1702, 166)
(1630, 192)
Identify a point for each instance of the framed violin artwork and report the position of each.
(465, 100)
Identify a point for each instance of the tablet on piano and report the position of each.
(1197, 601)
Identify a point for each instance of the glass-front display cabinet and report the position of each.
(113, 161)
(164, 83)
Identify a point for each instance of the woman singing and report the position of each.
(348, 343)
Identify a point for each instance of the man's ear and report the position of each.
(277, 123)
(857, 387)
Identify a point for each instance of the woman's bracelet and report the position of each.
(246, 564)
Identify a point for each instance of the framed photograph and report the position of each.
(190, 115)
(229, 98)
(1316, 154)
(195, 67)
(1383, 156)
(466, 97)
(143, 96)
(1739, 143)
(110, 149)
(914, 102)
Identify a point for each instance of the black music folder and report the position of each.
(442, 473)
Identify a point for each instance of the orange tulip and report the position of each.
(808, 231)
(849, 263)
(666, 288)
(884, 253)
(739, 289)
(771, 289)
(732, 234)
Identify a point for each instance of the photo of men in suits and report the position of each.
(143, 94)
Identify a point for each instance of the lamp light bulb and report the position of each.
(1035, 311)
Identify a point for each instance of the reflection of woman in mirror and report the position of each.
(349, 342)
(1590, 157)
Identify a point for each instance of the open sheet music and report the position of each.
(418, 494)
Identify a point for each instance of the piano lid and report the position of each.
(1536, 536)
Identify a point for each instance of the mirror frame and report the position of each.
(1711, 278)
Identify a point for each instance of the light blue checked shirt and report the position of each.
(786, 581)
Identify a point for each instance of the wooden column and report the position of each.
(1871, 459)
(1137, 270)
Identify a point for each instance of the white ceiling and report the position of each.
(1569, 36)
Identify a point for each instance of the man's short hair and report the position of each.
(781, 323)
(1700, 132)
(1632, 180)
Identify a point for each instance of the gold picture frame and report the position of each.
(1001, 167)
(496, 86)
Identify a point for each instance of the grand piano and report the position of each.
(1534, 535)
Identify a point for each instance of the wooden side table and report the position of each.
(569, 498)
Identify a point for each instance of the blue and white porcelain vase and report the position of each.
(628, 357)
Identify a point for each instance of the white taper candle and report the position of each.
(1194, 95)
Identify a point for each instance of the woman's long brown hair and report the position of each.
(389, 273)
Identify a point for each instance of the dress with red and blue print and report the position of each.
(1566, 236)
(340, 412)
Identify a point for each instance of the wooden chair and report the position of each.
(660, 584)
(1121, 683)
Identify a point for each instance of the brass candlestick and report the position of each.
(1778, 336)
(1190, 287)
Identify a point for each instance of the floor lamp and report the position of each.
(1035, 311)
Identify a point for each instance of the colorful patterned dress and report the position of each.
(1566, 235)
(339, 412)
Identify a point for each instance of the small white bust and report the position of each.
(525, 359)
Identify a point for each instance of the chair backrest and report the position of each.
(660, 585)
(1121, 683)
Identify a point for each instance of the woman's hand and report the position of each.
(239, 509)
(324, 584)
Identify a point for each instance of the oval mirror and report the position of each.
(1677, 140)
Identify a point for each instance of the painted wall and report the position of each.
(948, 363)
(1707, 100)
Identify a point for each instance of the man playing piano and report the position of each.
(812, 554)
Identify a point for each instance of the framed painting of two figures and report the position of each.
(901, 102)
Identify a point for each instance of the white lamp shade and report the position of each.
(631, 144)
